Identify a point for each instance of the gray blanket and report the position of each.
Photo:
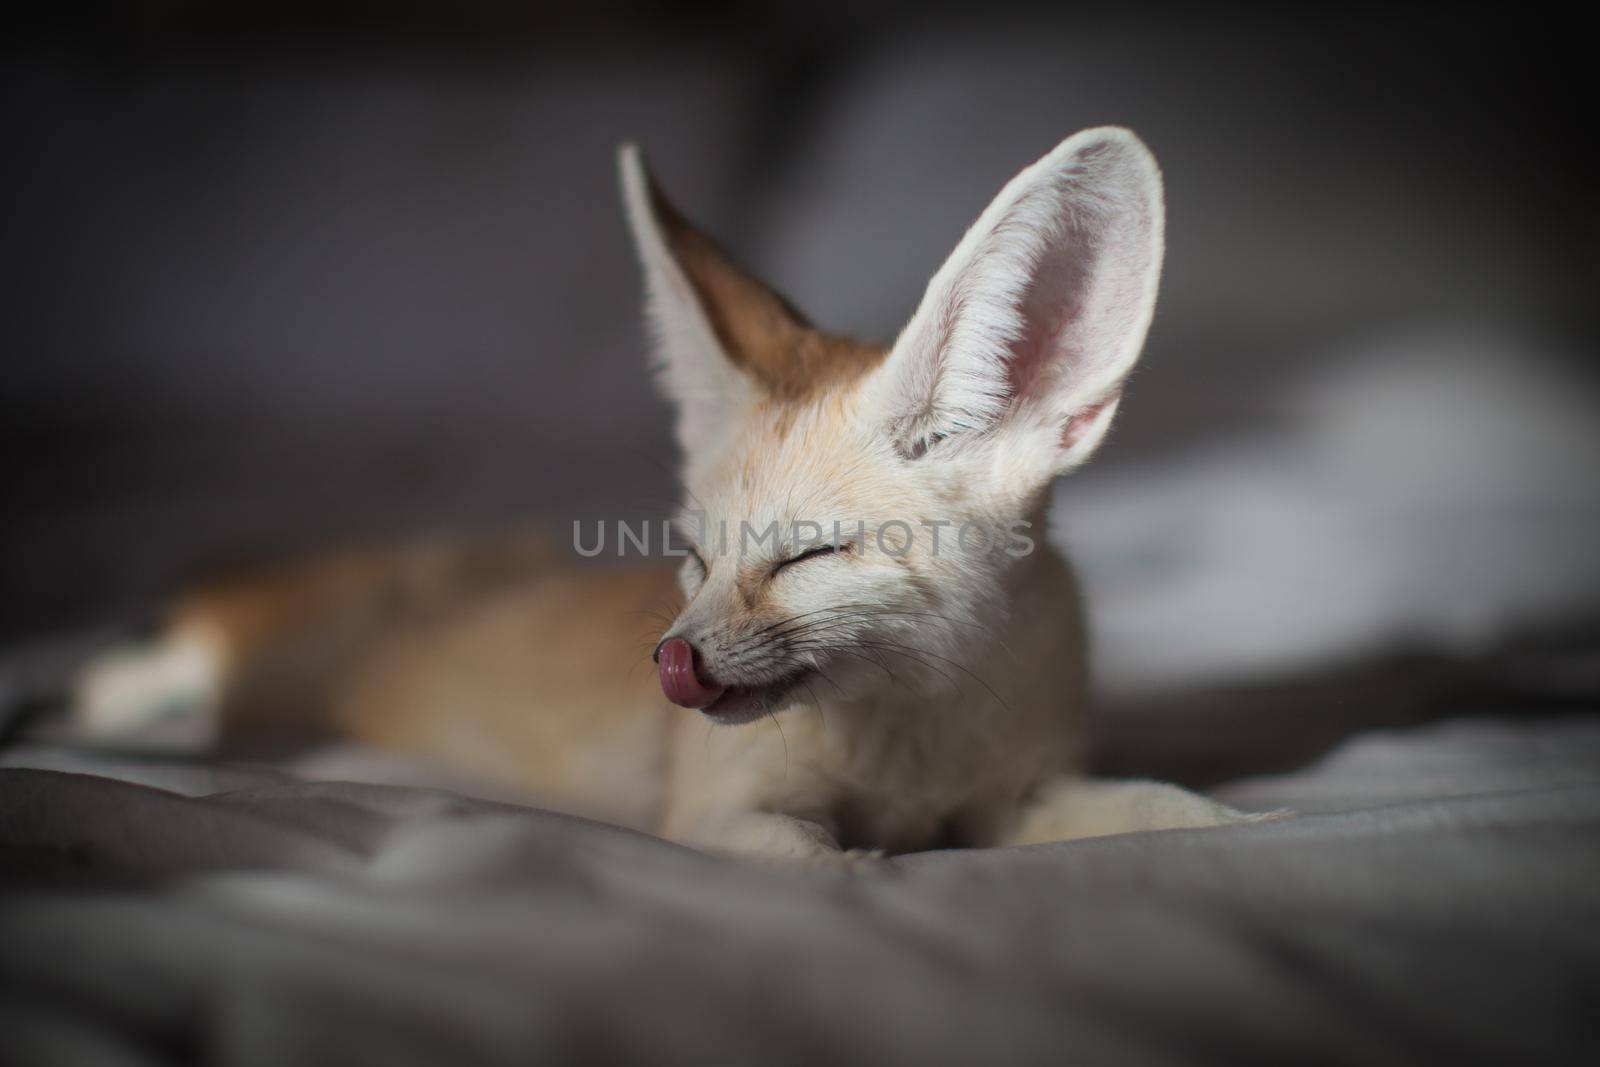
(1436, 899)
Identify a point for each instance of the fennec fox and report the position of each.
(906, 675)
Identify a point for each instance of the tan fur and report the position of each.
(546, 686)
(513, 663)
(284, 634)
(760, 331)
(916, 698)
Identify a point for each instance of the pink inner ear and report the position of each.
(1049, 348)
(1080, 423)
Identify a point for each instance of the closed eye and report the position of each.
(814, 553)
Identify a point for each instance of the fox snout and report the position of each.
(690, 681)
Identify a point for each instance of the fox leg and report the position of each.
(1071, 808)
(268, 648)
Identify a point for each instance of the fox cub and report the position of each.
(872, 646)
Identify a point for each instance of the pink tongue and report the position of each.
(678, 679)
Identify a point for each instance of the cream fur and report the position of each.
(691, 364)
(948, 689)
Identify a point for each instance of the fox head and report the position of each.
(857, 512)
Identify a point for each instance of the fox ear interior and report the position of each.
(719, 332)
(1033, 323)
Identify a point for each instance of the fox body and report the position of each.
(874, 686)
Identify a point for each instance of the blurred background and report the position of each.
(284, 276)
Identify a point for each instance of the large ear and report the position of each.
(718, 330)
(1033, 323)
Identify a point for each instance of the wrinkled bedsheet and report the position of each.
(1436, 899)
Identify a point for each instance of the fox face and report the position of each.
(822, 564)
(857, 516)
